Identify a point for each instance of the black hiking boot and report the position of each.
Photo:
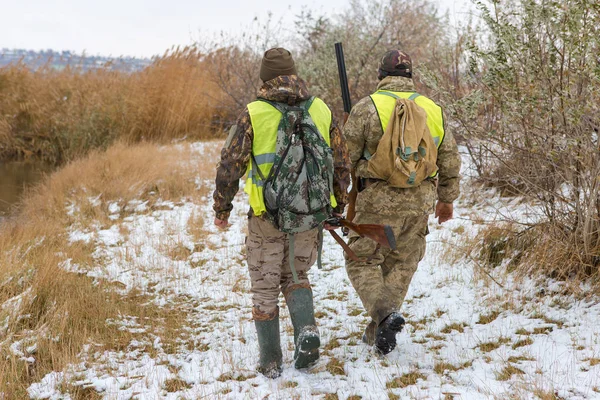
(306, 334)
(385, 335)
(368, 336)
(269, 347)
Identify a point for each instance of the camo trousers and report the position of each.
(382, 282)
(267, 251)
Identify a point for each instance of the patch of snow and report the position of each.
(95, 201)
(80, 236)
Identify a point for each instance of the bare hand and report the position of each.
(444, 211)
(221, 223)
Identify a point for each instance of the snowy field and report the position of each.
(465, 338)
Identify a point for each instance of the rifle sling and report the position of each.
(346, 248)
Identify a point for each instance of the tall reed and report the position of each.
(58, 115)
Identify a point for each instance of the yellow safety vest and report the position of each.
(385, 104)
(265, 122)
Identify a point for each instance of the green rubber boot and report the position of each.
(269, 347)
(306, 334)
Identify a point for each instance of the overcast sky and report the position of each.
(144, 27)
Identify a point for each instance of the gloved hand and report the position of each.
(444, 211)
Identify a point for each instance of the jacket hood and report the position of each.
(396, 84)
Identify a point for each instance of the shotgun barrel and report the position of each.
(339, 55)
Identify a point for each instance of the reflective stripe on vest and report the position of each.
(265, 122)
(385, 103)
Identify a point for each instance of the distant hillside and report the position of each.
(60, 60)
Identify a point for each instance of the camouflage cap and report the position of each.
(395, 63)
(276, 62)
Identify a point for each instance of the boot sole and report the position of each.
(308, 352)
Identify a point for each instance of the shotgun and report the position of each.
(341, 63)
(382, 234)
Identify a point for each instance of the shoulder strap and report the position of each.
(388, 94)
(307, 103)
(291, 256)
(385, 93)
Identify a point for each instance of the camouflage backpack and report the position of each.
(297, 191)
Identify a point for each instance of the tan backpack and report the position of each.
(406, 154)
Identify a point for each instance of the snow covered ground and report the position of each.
(465, 338)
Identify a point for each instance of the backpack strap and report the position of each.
(411, 97)
(291, 256)
(389, 94)
(255, 167)
(307, 103)
(320, 248)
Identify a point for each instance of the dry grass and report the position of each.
(441, 366)
(487, 318)
(547, 395)
(493, 345)
(335, 367)
(61, 311)
(405, 380)
(540, 250)
(507, 372)
(523, 342)
(59, 115)
(594, 361)
(176, 384)
(455, 326)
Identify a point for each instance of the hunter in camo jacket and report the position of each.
(382, 282)
(267, 248)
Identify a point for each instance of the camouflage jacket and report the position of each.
(235, 155)
(363, 129)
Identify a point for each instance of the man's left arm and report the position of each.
(235, 157)
(341, 167)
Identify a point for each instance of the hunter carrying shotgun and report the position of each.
(383, 235)
(402, 158)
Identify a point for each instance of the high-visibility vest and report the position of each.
(385, 104)
(265, 122)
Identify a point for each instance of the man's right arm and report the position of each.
(235, 157)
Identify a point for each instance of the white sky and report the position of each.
(144, 27)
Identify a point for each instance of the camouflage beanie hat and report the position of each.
(277, 61)
(395, 63)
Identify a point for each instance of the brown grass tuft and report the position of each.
(335, 367)
(407, 379)
(442, 366)
(487, 318)
(456, 326)
(507, 372)
(176, 384)
(523, 342)
(493, 345)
